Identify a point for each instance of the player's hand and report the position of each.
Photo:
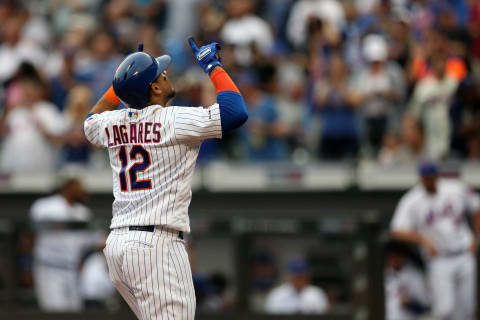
(430, 247)
(207, 56)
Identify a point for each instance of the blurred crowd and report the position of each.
(386, 80)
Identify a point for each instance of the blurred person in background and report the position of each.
(152, 10)
(323, 42)
(213, 18)
(298, 295)
(68, 58)
(400, 43)
(119, 16)
(264, 133)
(32, 126)
(16, 48)
(210, 292)
(381, 87)
(100, 66)
(435, 216)
(96, 288)
(65, 79)
(329, 13)
(292, 104)
(392, 151)
(149, 37)
(62, 238)
(336, 104)
(75, 149)
(431, 44)
(404, 148)
(276, 13)
(430, 105)
(422, 17)
(264, 273)
(464, 118)
(244, 30)
(64, 14)
(406, 292)
(457, 36)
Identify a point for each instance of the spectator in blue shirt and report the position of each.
(99, 69)
(336, 104)
(265, 133)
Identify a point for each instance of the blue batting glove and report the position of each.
(207, 56)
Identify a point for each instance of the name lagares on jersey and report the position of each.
(141, 132)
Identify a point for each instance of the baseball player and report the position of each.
(61, 240)
(433, 215)
(153, 149)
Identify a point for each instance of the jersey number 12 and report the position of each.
(135, 184)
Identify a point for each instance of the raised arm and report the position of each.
(233, 112)
(92, 126)
(108, 102)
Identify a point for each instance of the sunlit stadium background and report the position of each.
(338, 123)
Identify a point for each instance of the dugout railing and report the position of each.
(359, 233)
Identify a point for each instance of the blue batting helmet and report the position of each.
(134, 76)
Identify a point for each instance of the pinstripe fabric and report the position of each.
(172, 160)
(152, 154)
(152, 273)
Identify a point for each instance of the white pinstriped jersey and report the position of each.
(152, 154)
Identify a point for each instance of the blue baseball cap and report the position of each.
(427, 168)
(298, 266)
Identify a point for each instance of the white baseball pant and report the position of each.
(152, 272)
(453, 285)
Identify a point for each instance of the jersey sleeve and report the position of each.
(403, 218)
(197, 124)
(94, 128)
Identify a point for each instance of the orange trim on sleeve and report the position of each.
(456, 68)
(111, 96)
(222, 81)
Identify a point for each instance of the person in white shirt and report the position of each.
(433, 215)
(244, 29)
(406, 293)
(298, 295)
(330, 12)
(430, 105)
(32, 129)
(380, 87)
(60, 223)
(19, 45)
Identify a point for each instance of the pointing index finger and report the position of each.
(193, 44)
